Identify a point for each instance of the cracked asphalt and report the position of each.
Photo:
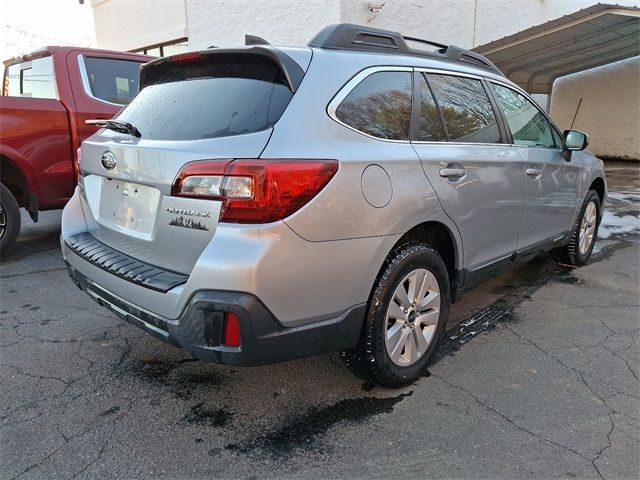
(537, 378)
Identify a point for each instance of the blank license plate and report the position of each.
(129, 207)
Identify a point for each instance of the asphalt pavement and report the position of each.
(537, 378)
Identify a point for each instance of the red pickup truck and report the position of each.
(46, 97)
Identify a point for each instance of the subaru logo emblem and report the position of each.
(108, 160)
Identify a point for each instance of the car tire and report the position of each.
(9, 220)
(381, 357)
(583, 235)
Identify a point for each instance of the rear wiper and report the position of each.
(117, 125)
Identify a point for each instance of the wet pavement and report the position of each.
(537, 378)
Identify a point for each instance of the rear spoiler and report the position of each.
(150, 73)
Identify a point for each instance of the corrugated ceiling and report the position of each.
(588, 38)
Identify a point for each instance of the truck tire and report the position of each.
(9, 220)
(405, 318)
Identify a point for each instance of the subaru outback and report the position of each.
(258, 204)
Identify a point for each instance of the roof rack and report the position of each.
(347, 36)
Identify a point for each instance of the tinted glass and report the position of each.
(431, 129)
(380, 105)
(527, 124)
(221, 104)
(112, 80)
(33, 78)
(465, 106)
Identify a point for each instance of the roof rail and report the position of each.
(348, 36)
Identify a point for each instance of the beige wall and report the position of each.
(130, 25)
(610, 108)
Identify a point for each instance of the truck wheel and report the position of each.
(405, 318)
(584, 234)
(9, 220)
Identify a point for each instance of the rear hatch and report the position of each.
(217, 104)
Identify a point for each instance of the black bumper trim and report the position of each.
(122, 265)
(264, 339)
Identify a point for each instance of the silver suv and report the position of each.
(259, 204)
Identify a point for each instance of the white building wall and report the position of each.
(130, 25)
(224, 23)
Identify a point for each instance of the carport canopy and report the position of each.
(534, 58)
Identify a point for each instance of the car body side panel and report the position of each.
(38, 129)
(341, 211)
(552, 198)
(487, 203)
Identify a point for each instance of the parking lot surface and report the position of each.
(537, 378)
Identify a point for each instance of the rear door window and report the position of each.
(465, 106)
(210, 100)
(32, 78)
(529, 127)
(379, 106)
(111, 79)
(431, 128)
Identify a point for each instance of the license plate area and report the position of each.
(129, 207)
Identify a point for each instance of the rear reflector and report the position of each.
(231, 331)
(255, 191)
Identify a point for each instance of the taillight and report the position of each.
(231, 336)
(185, 57)
(255, 191)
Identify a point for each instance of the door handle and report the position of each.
(452, 172)
(533, 172)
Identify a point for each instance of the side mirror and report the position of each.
(574, 140)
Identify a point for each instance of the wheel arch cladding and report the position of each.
(14, 179)
(438, 236)
(599, 187)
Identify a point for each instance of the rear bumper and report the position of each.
(264, 340)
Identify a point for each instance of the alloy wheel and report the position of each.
(412, 317)
(587, 228)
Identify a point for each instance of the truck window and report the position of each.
(110, 79)
(32, 78)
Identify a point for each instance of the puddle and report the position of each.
(304, 432)
(200, 414)
(616, 225)
(182, 382)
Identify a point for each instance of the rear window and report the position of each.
(32, 78)
(210, 99)
(112, 80)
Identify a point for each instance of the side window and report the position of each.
(466, 108)
(431, 129)
(33, 78)
(111, 79)
(380, 106)
(529, 127)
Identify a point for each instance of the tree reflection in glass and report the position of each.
(380, 106)
(466, 109)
